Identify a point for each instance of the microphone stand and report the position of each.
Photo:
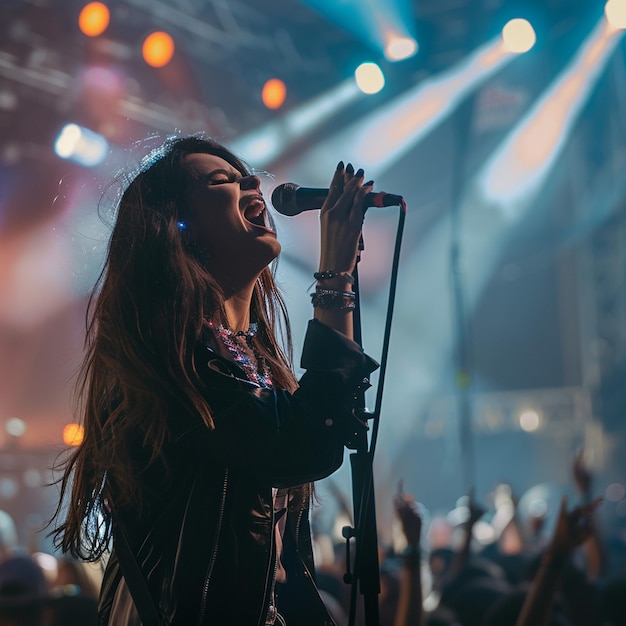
(366, 567)
(366, 571)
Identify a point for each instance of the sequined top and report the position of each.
(240, 346)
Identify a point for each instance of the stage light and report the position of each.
(274, 93)
(265, 144)
(73, 434)
(615, 11)
(369, 78)
(94, 19)
(158, 49)
(15, 427)
(403, 122)
(374, 22)
(530, 421)
(518, 36)
(399, 48)
(520, 165)
(81, 145)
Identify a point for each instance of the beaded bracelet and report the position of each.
(329, 299)
(328, 274)
(334, 292)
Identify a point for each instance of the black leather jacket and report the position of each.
(205, 540)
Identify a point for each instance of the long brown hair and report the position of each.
(144, 319)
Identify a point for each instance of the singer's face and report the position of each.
(228, 218)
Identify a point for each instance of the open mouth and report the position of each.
(255, 212)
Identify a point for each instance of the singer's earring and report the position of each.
(181, 225)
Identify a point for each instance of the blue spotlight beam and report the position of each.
(380, 139)
(490, 217)
(375, 22)
(521, 164)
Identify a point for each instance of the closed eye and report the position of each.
(222, 181)
(221, 177)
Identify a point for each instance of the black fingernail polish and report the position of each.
(359, 173)
(368, 183)
(339, 166)
(349, 168)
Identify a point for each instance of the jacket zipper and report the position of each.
(306, 569)
(265, 607)
(272, 596)
(209, 571)
(298, 521)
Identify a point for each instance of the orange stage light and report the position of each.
(158, 49)
(94, 19)
(274, 93)
(73, 434)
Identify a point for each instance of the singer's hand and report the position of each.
(341, 219)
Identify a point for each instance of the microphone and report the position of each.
(291, 199)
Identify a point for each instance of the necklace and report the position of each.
(241, 346)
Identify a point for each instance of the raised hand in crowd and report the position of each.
(572, 529)
(408, 513)
(475, 512)
(594, 553)
(410, 609)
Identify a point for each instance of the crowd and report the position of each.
(570, 575)
(42, 590)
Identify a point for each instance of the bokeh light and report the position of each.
(615, 492)
(615, 11)
(274, 93)
(399, 48)
(94, 19)
(32, 478)
(529, 421)
(73, 434)
(81, 145)
(369, 78)
(15, 427)
(9, 488)
(158, 49)
(518, 36)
